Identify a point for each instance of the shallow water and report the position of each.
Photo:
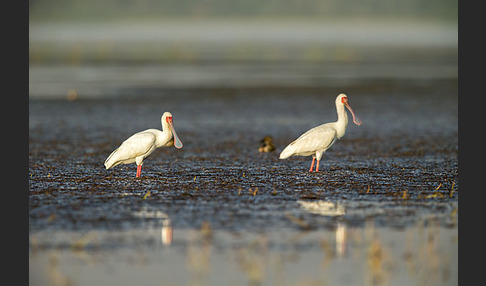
(425, 254)
(382, 211)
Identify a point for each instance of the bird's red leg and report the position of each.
(312, 165)
(139, 171)
(317, 166)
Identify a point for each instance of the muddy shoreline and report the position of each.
(403, 161)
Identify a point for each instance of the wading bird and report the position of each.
(140, 145)
(318, 139)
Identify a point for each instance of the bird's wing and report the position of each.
(316, 139)
(136, 145)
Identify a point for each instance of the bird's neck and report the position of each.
(163, 137)
(342, 121)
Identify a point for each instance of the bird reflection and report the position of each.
(324, 208)
(166, 232)
(341, 239)
(328, 208)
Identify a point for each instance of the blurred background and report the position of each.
(110, 48)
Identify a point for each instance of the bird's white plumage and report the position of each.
(318, 139)
(140, 145)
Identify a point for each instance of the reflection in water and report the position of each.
(253, 260)
(325, 208)
(198, 256)
(166, 232)
(341, 240)
(57, 277)
(328, 208)
(420, 254)
(378, 257)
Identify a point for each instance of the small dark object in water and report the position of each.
(266, 144)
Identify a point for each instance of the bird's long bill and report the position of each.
(356, 119)
(177, 141)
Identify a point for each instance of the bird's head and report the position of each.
(342, 99)
(167, 117)
(167, 121)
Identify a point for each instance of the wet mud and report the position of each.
(404, 153)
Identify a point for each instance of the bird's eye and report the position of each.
(344, 99)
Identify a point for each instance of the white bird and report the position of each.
(140, 145)
(318, 139)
